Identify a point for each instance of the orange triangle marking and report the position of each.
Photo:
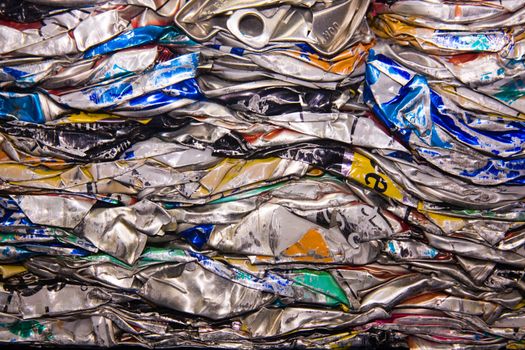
(311, 247)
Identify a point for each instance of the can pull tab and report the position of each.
(253, 28)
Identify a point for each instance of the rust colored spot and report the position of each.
(273, 133)
(423, 298)
(457, 11)
(252, 137)
(21, 26)
(463, 58)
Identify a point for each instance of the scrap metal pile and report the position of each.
(263, 173)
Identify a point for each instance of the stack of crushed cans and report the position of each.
(263, 174)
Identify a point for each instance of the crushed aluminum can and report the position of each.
(262, 174)
(328, 28)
